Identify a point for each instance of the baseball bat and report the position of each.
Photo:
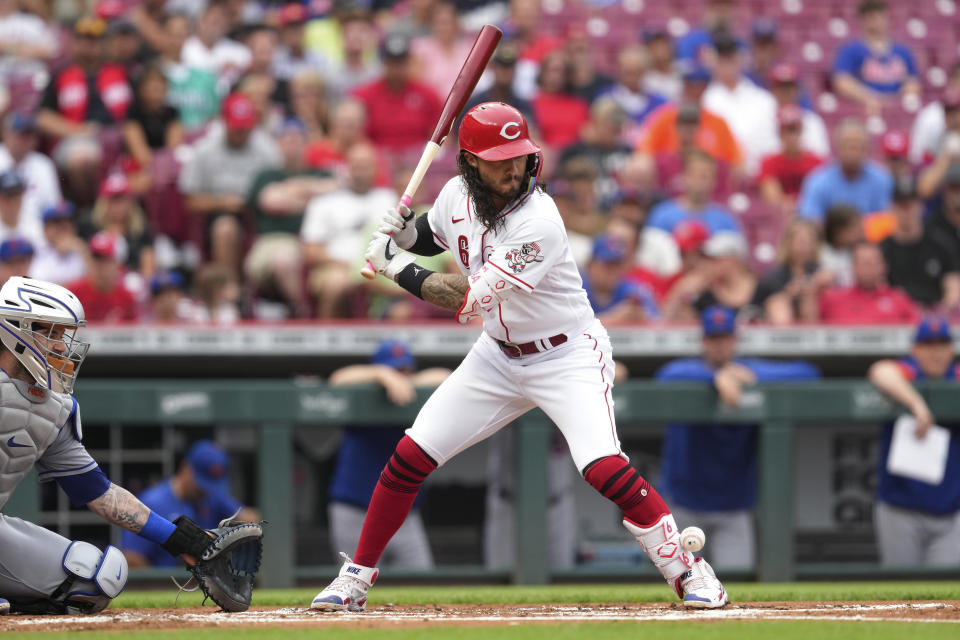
(470, 73)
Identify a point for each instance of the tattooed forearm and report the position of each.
(120, 507)
(445, 290)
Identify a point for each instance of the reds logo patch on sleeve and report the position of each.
(518, 259)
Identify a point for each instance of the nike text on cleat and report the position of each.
(700, 587)
(348, 592)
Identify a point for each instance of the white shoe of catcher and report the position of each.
(349, 591)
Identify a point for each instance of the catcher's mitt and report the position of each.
(227, 558)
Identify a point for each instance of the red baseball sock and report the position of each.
(392, 499)
(619, 482)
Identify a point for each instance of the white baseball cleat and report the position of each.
(700, 589)
(349, 591)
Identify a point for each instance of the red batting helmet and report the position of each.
(496, 131)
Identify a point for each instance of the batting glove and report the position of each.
(399, 222)
(385, 256)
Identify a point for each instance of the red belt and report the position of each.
(513, 350)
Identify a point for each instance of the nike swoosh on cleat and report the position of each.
(119, 571)
(11, 443)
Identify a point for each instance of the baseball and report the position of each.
(692, 539)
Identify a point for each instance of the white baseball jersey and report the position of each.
(530, 253)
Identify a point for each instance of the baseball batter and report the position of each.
(41, 571)
(541, 347)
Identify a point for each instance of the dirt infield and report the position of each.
(409, 616)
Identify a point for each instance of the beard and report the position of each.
(486, 199)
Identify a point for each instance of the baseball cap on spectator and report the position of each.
(654, 32)
(690, 235)
(905, 189)
(933, 328)
(506, 55)
(764, 28)
(209, 463)
(723, 244)
(395, 354)
(396, 46)
(110, 9)
(104, 244)
(20, 121)
(60, 211)
(696, 74)
(164, 280)
(895, 144)
(725, 44)
(14, 248)
(951, 178)
(114, 185)
(121, 26)
(688, 112)
(869, 6)
(790, 115)
(783, 73)
(951, 99)
(718, 321)
(89, 27)
(239, 112)
(292, 13)
(11, 182)
(608, 248)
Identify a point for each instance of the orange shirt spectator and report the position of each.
(713, 136)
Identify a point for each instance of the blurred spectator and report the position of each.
(895, 145)
(122, 45)
(919, 261)
(199, 490)
(412, 18)
(870, 300)
(151, 124)
(601, 143)
(438, 57)
(18, 151)
(210, 49)
(503, 64)
(401, 112)
(672, 256)
(782, 174)
(789, 293)
(219, 293)
(662, 77)
(118, 213)
(278, 199)
(868, 70)
(61, 258)
(944, 221)
(354, 63)
(630, 91)
(524, 28)
(218, 175)
(16, 255)
(669, 164)
(168, 301)
(721, 496)
(28, 42)
(13, 218)
(721, 277)
(586, 80)
(575, 193)
(102, 292)
(558, 113)
(86, 94)
(916, 521)
(191, 90)
(308, 104)
(713, 135)
(615, 298)
(851, 179)
(348, 122)
(842, 231)
(332, 230)
(947, 152)
(749, 111)
(930, 125)
(764, 51)
(699, 181)
(785, 87)
(696, 48)
(366, 448)
(291, 57)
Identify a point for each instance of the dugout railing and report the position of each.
(274, 407)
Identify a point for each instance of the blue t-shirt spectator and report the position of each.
(626, 290)
(827, 186)
(636, 106)
(362, 456)
(669, 213)
(161, 498)
(714, 467)
(883, 72)
(908, 493)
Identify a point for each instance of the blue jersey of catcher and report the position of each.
(714, 467)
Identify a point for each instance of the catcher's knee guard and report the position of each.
(94, 578)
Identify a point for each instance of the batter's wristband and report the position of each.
(157, 529)
(411, 278)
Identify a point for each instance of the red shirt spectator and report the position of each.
(401, 112)
(102, 293)
(870, 300)
(558, 113)
(789, 171)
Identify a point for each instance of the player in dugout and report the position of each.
(541, 346)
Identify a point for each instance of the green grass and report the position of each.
(576, 594)
(731, 630)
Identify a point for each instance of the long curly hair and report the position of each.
(483, 197)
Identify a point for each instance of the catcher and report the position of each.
(42, 572)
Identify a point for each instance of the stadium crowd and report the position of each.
(186, 161)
